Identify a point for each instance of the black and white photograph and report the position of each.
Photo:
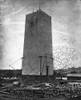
(40, 49)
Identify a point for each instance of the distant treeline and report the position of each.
(10, 73)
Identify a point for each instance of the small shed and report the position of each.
(74, 77)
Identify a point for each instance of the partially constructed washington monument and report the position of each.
(37, 56)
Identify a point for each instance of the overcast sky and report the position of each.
(66, 30)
